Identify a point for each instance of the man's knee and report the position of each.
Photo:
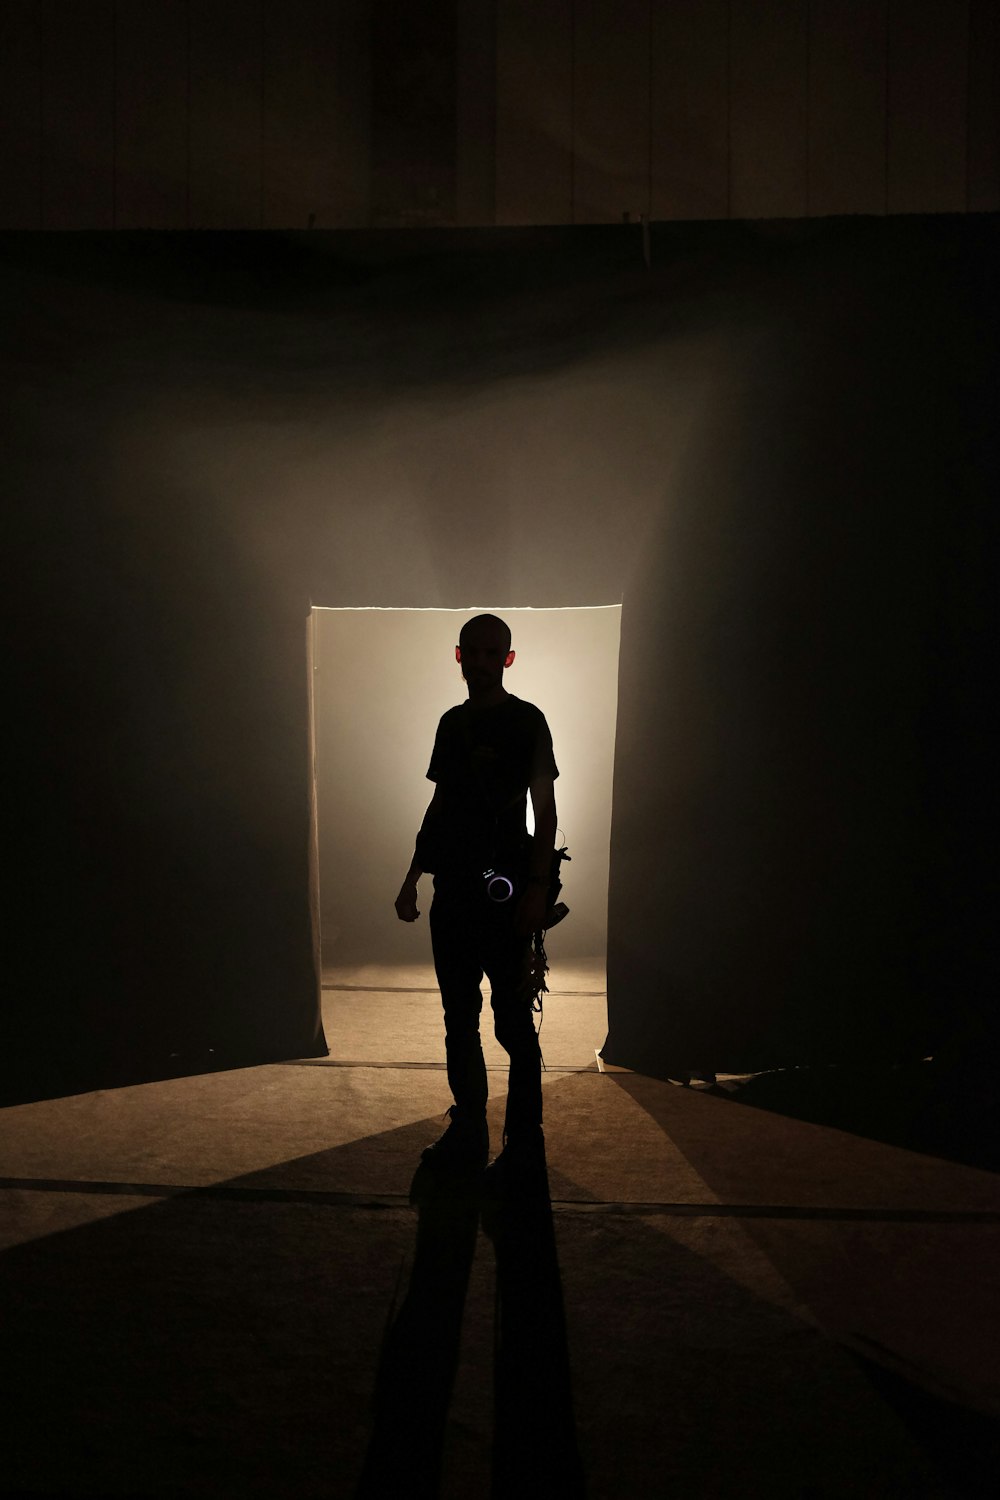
(514, 1028)
(461, 1028)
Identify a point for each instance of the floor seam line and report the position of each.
(399, 989)
(625, 1207)
(429, 1067)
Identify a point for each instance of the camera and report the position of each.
(499, 888)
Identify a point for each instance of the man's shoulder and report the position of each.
(528, 712)
(512, 714)
(451, 717)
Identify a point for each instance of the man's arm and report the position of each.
(533, 905)
(406, 901)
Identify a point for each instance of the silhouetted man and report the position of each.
(491, 883)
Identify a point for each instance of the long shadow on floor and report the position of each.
(535, 1452)
(416, 1372)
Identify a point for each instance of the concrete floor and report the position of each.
(219, 1286)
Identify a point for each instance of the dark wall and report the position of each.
(248, 114)
(160, 772)
(803, 872)
(157, 689)
(777, 444)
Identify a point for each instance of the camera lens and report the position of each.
(499, 888)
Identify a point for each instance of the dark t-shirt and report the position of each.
(484, 760)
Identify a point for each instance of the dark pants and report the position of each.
(471, 936)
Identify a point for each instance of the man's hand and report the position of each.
(406, 901)
(531, 909)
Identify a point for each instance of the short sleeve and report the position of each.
(434, 769)
(543, 761)
(443, 754)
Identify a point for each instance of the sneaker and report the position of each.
(520, 1167)
(465, 1145)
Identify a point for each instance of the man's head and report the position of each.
(483, 651)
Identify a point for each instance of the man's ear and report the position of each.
(509, 659)
(458, 653)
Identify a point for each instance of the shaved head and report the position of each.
(483, 651)
(482, 625)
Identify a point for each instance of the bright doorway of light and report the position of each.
(382, 679)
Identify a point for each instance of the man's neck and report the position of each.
(492, 698)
